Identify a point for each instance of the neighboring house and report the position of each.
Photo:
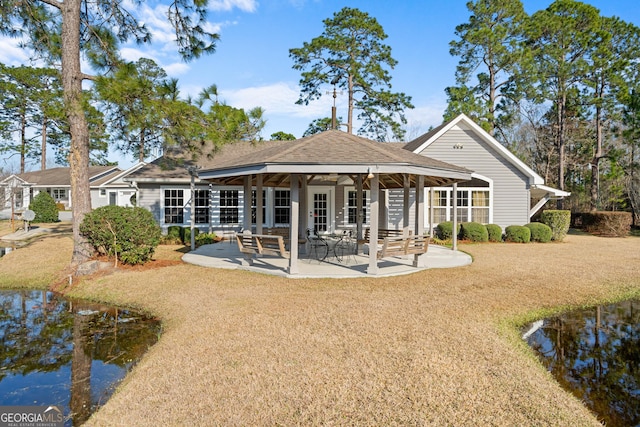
(503, 190)
(106, 187)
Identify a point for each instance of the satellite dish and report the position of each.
(28, 215)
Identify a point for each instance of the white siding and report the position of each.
(510, 186)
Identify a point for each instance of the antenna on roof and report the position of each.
(334, 82)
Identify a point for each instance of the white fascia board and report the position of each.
(124, 173)
(318, 169)
(554, 191)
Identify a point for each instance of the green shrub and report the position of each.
(44, 207)
(174, 232)
(540, 232)
(559, 222)
(517, 234)
(206, 239)
(185, 234)
(608, 224)
(444, 230)
(128, 234)
(474, 232)
(494, 232)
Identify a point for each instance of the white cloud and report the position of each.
(227, 5)
(131, 54)
(176, 69)
(11, 53)
(278, 98)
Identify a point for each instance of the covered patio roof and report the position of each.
(333, 153)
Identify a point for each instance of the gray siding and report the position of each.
(510, 186)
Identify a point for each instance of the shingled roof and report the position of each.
(331, 152)
(61, 177)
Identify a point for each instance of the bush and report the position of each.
(494, 232)
(185, 234)
(444, 230)
(175, 232)
(517, 234)
(44, 207)
(540, 232)
(206, 239)
(609, 224)
(60, 206)
(128, 234)
(559, 222)
(474, 232)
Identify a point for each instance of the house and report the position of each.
(106, 186)
(501, 189)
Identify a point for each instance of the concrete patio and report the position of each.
(226, 255)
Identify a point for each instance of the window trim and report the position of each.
(366, 206)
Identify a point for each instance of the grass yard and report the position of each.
(437, 347)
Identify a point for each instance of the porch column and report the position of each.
(405, 204)
(419, 227)
(431, 210)
(246, 199)
(373, 226)
(304, 217)
(259, 204)
(454, 231)
(295, 225)
(359, 212)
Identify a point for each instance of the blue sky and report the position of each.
(251, 66)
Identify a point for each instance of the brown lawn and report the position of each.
(437, 347)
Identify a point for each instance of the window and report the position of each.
(281, 207)
(480, 206)
(473, 205)
(103, 192)
(440, 206)
(59, 193)
(174, 206)
(463, 205)
(352, 207)
(201, 206)
(229, 207)
(254, 204)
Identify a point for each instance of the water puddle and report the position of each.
(67, 353)
(595, 354)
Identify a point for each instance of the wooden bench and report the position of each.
(263, 244)
(382, 233)
(399, 245)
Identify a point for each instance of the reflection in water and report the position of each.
(595, 354)
(67, 353)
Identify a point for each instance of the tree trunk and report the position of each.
(595, 162)
(23, 140)
(561, 148)
(43, 158)
(79, 151)
(350, 112)
(141, 147)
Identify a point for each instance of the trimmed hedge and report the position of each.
(185, 234)
(444, 230)
(608, 224)
(494, 232)
(128, 234)
(206, 239)
(474, 232)
(517, 234)
(540, 232)
(559, 221)
(44, 207)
